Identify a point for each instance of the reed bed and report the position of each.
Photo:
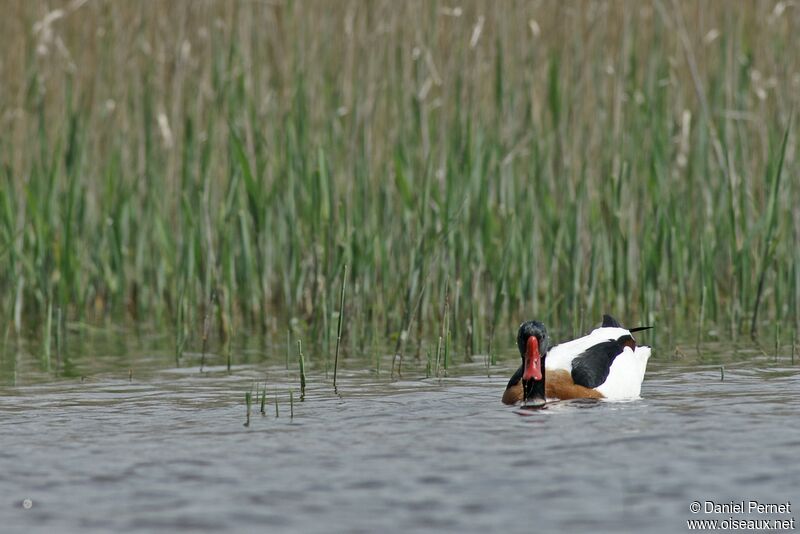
(202, 165)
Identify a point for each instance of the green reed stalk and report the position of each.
(48, 327)
(772, 221)
(204, 337)
(228, 352)
(339, 327)
(438, 353)
(302, 369)
(59, 334)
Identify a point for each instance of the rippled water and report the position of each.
(168, 451)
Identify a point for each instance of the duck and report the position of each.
(607, 364)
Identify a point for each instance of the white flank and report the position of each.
(561, 356)
(626, 374)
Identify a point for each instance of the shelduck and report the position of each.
(605, 364)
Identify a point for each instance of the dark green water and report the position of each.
(95, 451)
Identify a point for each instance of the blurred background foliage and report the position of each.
(213, 166)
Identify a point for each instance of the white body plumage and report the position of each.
(626, 373)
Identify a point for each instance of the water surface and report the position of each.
(166, 450)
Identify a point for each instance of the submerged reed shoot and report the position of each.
(264, 399)
(248, 400)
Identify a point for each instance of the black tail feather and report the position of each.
(609, 321)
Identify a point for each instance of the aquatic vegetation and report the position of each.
(302, 364)
(248, 400)
(339, 327)
(456, 172)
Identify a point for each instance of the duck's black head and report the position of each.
(533, 343)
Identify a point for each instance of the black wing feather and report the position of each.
(590, 369)
(609, 321)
